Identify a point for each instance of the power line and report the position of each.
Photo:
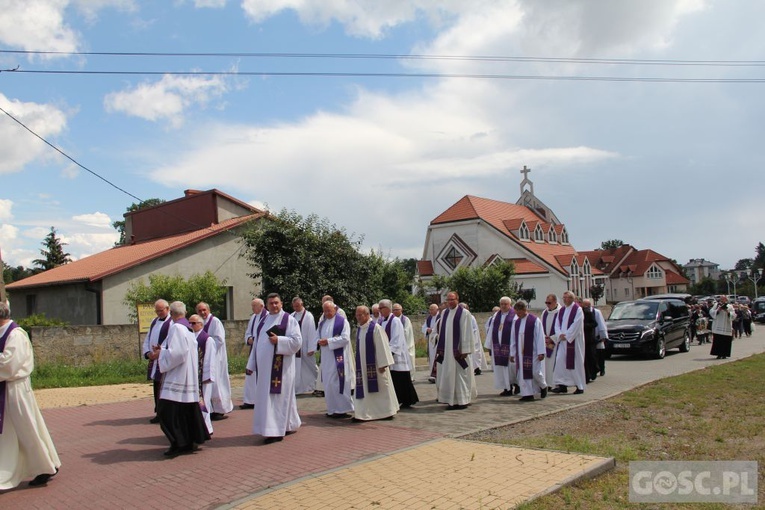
(328, 74)
(384, 56)
(67, 156)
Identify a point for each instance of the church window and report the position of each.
(453, 257)
(552, 237)
(539, 236)
(564, 237)
(654, 273)
(523, 231)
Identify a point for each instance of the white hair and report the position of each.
(177, 308)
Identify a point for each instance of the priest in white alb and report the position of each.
(498, 343)
(527, 351)
(374, 398)
(428, 331)
(26, 448)
(455, 379)
(333, 337)
(569, 346)
(548, 323)
(221, 392)
(400, 371)
(406, 322)
(306, 369)
(179, 408)
(208, 364)
(275, 413)
(254, 325)
(478, 359)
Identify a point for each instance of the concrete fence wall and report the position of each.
(85, 345)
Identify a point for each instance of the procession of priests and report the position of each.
(366, 372)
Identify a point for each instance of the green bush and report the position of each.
(39, 320)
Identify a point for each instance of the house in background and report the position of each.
(698, 269)
(189, 235)
(635, 274)
(479, 231)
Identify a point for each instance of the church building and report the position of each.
(478, 231)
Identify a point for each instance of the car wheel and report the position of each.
(661, 348)
(686, 345)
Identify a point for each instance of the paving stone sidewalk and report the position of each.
(112, 457)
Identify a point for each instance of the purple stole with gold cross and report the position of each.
(501, 342)
(545, 314)
(4, 339)
(337, 330)
(163, 330)
(370, 364)
(456, 338)
(277, 366)
(528, 345)
(570, 346)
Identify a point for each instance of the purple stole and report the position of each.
(456, 338)
(262, 317)
(370, 361)
(201, 351)
(337, 329)
(299, 354)
(501, 345)
(277, 367)
(570, 346)
(207, 324)
(389, 325)
(434, 368)
(528, 345)
(162, 335)
(2, 384)
(548, 351)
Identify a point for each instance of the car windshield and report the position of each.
(639, 311)
(759, 306)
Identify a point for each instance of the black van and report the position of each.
(648, 326)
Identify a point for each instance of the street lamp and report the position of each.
(727, 281)
(755, 277)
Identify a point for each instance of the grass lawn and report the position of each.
(713, 414)
(54, 375)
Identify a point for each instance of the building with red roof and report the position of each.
(189, 235)
(480, 231)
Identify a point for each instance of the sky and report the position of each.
(672, 166)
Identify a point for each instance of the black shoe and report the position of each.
(154, 420)
(42, 479)
(527, 398)
(270, 440)
(560, 389)
(247, 406)
(517, 389)
(544, 392)
(477, 371)
(602, 373)
(505, 393)
(432, 380)
(172, 452)
(217, 416)
(290, 432)
(317, 393)
(457, 407)
(578, 392)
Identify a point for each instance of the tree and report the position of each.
(743, 264)
(482, 287)
(120, 225)
(198, 287)
(596, 292)
(13, 274)
(53, 252)
(759, 260)
(611, 244)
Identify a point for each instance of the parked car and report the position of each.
(758, 309)
(648, 326)
(681, 296)
(743, 300)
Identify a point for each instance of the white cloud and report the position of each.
(167, 99)
(5, 209)
(37, 25)
(258, 205)
(96, 219)
(17, 145)
(214, 4)
(37, 233)
(90, 8)
(83, 244)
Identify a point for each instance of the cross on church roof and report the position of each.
(525, 173)
(526, 181)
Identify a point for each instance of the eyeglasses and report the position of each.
(548, 302)
(194, 322)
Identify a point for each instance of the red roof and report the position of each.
(525, 266)
(115, 260)
(506, 218)
(675, 278)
